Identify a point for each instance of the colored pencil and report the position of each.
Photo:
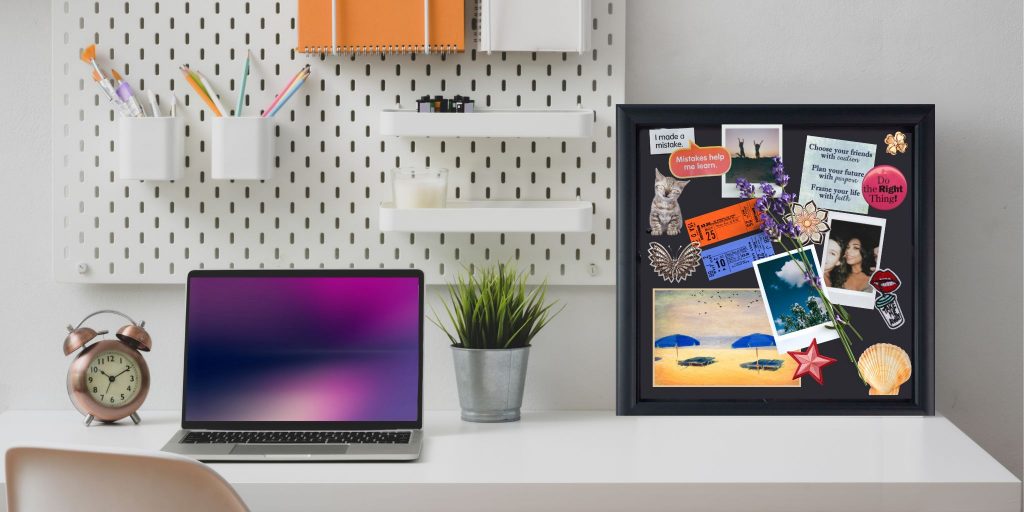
(288, 96)
(241, 90)
(199, 91)
(211, 93)
(280, 95)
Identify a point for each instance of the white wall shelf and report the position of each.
(535, 124)
(490, 217)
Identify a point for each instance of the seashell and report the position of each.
(885, 367)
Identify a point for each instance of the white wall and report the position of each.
(963, 56)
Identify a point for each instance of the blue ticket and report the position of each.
(735, 256)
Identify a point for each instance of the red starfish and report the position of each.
(810, 362)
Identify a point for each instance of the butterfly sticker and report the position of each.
(675, 269)
(896, 143)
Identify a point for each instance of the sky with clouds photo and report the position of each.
(784, 285)
(715, 317)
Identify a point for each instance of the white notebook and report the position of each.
(534, 25)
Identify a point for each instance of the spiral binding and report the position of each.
(390, 49)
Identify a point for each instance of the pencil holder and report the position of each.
(243, 148)
(150, 148)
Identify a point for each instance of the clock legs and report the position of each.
(136, 418)
(88, 420)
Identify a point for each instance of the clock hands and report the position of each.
(112, 378)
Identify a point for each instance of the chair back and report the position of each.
(52, 478)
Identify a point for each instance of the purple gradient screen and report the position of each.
(303, 349)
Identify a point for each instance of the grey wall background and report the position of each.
(966, 57)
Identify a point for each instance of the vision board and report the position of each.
(320, 209)
(775, 259)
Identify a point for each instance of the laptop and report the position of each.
(302, 365)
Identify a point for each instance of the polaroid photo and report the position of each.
(795, 310)
(752, 148)
(852, 252)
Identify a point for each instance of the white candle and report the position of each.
(420, 189)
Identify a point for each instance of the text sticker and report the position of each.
(736, 256)
(721, 225)
(884, 187)
(668, 140)
(833, 172)
(696, 162)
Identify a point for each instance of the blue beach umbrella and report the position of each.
(754, 341)
(677, 340)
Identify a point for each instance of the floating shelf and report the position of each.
(490, 216)
(535, 124)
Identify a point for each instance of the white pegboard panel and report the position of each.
(320, 209)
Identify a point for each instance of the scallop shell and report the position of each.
(885, 367)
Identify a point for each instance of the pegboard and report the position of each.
(331, 170)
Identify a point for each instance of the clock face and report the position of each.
(113, 379)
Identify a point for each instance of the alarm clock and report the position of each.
(109, 379)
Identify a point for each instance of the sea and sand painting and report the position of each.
(716, 338)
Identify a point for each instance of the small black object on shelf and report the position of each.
(439, 104)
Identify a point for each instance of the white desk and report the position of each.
(596, 461)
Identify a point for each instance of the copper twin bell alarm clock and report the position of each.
(109, 379)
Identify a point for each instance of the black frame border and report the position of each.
(630, 119)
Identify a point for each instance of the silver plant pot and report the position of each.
(490, 382)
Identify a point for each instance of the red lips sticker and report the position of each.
(885, 280)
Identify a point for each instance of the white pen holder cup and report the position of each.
(151, 148)
(243, 148)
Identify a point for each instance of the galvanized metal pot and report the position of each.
(490, 382)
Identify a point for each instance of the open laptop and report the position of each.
(301, 365)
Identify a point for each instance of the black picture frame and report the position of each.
(631, 119)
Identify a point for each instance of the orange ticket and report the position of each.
(719, 225)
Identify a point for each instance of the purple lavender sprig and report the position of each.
(774, 211)
(746, 188)
(773, 204)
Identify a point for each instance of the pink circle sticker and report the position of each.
(884, 187)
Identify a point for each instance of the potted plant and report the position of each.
(492, 320)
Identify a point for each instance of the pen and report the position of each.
(153, 103)
(241, 90)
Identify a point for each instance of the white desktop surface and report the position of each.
(596, 461)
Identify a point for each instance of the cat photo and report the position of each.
(666, 217)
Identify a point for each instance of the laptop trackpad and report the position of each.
(289, 449)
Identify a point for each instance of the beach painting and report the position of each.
(715, 338)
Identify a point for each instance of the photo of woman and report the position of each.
(851, 255)
(853, 268)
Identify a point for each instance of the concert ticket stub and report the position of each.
(737, 255)
(720, 225)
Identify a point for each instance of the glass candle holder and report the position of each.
(419, 188)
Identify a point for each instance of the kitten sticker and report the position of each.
(666, 217)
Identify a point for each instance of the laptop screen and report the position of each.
(303, 347)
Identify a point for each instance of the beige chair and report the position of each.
(51, 478)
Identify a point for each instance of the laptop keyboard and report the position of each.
(296, 437)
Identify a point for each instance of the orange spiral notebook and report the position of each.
(385, 26)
